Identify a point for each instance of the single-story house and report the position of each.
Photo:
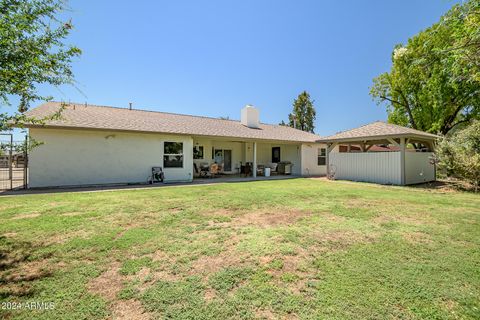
(92, 145)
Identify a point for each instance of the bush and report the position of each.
(459, 155)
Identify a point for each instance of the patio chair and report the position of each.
(213, 170)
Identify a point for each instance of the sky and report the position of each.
(211, 58)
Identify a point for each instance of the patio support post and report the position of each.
(402, 161)
(330, 147)
(254, 169)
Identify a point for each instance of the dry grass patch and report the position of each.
(269, 218)
(26, 216)
(108, 285)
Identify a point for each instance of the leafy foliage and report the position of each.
(434, 82)
(32, 52)
(303, 114)
(459, 154)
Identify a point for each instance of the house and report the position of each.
(90, 145)
(381, 153)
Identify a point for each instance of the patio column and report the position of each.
(254, 169)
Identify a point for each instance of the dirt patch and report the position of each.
(108, 284)
(209, 295)
(417, 220)
(417, 237)
(28, 272)
(10, 235)
(26, 216)
(72, 214)
(66, 236)
(342, 238)
(270, 218)
(265, 314)
(129, 309)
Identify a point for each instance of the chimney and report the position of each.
(130, 105)
(250, 117)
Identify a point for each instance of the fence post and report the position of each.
(10, 162)
(25, 163)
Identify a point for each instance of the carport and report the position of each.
(381, 153)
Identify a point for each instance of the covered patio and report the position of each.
(235, 159)
(381, 153)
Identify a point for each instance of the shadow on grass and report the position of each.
(17, 270)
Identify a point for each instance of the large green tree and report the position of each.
(32, 52)
(434, 81)
(303, 114)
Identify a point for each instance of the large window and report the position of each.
(173, 155)
(322, 156)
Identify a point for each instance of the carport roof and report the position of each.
(376, 131)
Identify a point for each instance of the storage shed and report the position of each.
(381, 153)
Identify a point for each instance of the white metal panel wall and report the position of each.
(418, 168)
(378, 167)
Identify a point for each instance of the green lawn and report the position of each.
(300, 248)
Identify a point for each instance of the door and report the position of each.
(276, 154)
(227, 160)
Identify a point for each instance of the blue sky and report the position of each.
(213, 57)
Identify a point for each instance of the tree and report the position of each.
(32, 52)
(434, 81)
(303, 114)
(459, 154)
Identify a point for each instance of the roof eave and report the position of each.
(380, 137)
(64, 127)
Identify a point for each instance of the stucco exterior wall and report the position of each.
(310, 165)
(75, 157)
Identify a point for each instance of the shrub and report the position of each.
(459, 155)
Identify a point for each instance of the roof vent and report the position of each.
(250, 117)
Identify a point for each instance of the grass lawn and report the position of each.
(301, 248)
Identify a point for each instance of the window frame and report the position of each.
(172, 154)
(322, 157)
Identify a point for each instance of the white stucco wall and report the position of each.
(310, 165)
(418, 168)
(75, 157)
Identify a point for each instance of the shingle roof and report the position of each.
(112, 118)
(376, 130)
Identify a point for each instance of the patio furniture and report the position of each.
(213, 170)
(273, 168)
(204, 169)
(260, 170)
(284, 167)
(157, 175)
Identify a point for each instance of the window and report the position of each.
(198, 152)
(173, 155)
(322, 156)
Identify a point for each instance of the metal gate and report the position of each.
(13, 163)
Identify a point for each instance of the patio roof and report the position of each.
(378, 131)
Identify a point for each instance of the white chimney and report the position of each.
(250, 117)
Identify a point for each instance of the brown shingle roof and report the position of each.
(377, 129)
(112, 118)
